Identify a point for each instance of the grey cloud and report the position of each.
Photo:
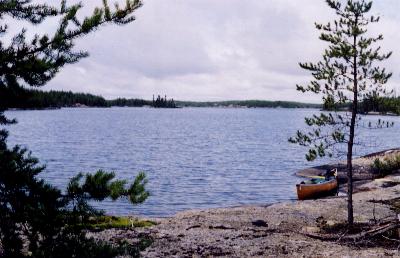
(211, 50)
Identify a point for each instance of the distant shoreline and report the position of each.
(37, 99)
(179, 107)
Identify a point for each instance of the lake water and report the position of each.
(194, 158)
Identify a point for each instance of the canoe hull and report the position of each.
(312, 191)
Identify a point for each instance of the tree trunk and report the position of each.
(350, 217)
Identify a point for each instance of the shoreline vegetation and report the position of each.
(301, 228)
(25, 99)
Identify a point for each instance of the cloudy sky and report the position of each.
(213, 50)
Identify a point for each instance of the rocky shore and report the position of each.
(278, 230)
(362, 169)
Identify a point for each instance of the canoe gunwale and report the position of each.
(323, 183)
(312, 191)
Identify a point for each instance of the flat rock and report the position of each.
(231, 232)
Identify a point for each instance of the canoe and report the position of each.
(317, 188)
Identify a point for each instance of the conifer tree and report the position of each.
(36, 61)
(32, 211)
(347, 74)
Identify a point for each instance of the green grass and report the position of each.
(108, 222)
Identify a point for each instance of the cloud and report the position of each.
(211, 50)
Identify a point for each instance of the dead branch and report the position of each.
(373, 232)
(355, 237)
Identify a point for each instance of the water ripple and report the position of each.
(194, 158)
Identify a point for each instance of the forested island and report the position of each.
(161, 102)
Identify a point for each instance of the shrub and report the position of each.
(387, 165)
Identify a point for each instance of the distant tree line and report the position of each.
(383, 105)
(249, 104)
(122, 102)
(37, 99)
(22, 98)
(374, 103)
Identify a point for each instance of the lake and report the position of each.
(194, 158)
